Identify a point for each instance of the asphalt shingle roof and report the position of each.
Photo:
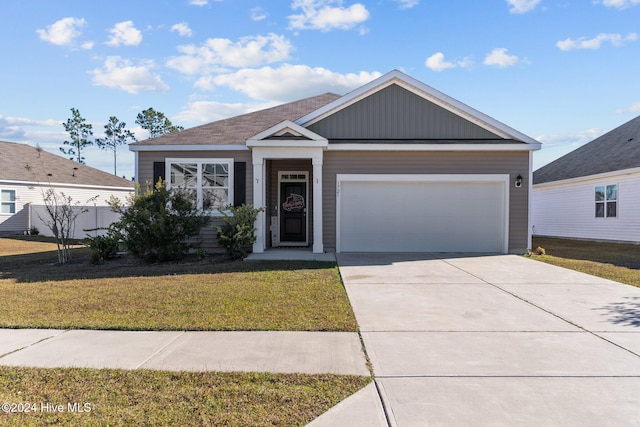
(22, 162)
(236, 130)
(616, 150)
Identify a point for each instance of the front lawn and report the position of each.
(279, 296)
(613, 261)
(145, 397)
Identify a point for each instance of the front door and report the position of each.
(293, 211)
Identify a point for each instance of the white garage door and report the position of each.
(422, 213)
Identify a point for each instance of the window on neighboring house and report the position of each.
(8, 199)
(210, 180)
(607, 201)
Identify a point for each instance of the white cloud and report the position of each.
(25, 129)
(408, 4)
(199, 2)
(62, 32)
(633, 108)
(326, 15)
(258, 14)
(215, 54)
(573, 139)
(87, 45)
(620, 4)
(124, 33)
(436, 62)
(183, 29)
(596, 42)
(121, 74)
(500, 58)
(522, 6)
(209, 111)
(291, 82)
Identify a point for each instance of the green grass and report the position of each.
(280, 296)
(613, 261)
(151, 398)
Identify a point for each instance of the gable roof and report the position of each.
(236, 130)
(425, 91)
(22, 162)
(616, 150)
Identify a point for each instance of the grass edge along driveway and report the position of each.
(614, 261)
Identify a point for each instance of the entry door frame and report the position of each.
(300, 176)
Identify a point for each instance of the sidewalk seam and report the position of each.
(33, 343)
(160, 350)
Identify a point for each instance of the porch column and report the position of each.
(258, 202)
(318, 246)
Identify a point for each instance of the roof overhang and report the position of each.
(65, 185)
(434, 147)
(595, 177)
(188, 147)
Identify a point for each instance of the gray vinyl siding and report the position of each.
(145, 175)
(396, 113)
(352, 162)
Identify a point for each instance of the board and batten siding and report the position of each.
(568, 209)
(396, 113)
(208, 234)
(430, 162)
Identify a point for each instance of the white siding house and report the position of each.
(592, 192)
(27, 173)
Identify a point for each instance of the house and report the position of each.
(394, 165)
(594, 191)
(27, 173)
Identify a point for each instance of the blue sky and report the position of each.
(563, 72)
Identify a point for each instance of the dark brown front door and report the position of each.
(293, 212)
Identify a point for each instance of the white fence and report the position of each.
(95, 217)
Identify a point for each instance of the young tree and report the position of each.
(116, 135)
(61, 215)
(79, 131)
(156, 123)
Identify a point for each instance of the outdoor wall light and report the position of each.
(519, 181)
(74, 172)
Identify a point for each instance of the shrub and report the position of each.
(157, 224)
(237, 233)
(103, 247)
(33, 231)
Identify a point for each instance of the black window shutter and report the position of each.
(158, 171)
(239, 183)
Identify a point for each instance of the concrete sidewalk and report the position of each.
(279, 352)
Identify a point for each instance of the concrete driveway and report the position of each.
(496, 340)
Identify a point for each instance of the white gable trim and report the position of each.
(424, 91)
(313, 139)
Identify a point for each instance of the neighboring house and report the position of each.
(594, 191)
(27, 173)
(392, 166)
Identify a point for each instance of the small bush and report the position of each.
(157, 224)
(103, 247)
(237, 233)
(33, 231)
(539, 251)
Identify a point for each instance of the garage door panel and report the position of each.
(378, 216)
